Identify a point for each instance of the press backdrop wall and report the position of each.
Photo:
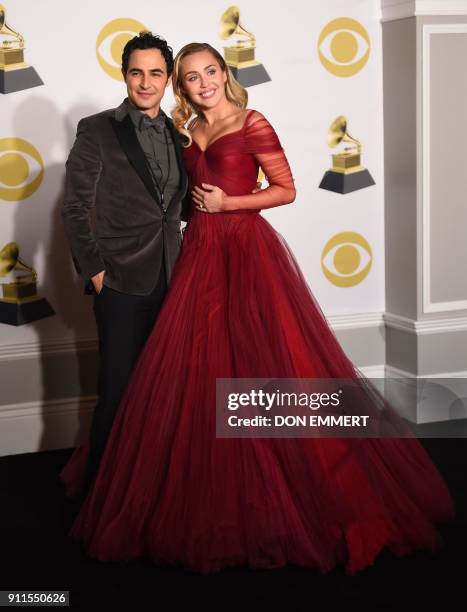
(48, 367)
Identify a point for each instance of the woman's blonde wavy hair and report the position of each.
(184, 108)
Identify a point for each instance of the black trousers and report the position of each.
(124, 323)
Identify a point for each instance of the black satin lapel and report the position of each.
(128, 140)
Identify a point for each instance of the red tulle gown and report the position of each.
(238, 306)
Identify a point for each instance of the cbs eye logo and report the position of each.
(346, 259)
(344, 47)
(21, 169)
(111, 41)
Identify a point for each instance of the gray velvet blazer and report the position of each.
(107, 171)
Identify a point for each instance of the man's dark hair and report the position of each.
(148, 40)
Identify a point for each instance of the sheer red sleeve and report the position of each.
(263, 143)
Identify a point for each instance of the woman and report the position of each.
(238, 307)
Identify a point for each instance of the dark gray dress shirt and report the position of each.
(160, 154)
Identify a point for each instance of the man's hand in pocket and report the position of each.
(98, 281)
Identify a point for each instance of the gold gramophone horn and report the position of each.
(19, 302)
(230, 24)
(10, 260)
(338, 133)
(5, 29)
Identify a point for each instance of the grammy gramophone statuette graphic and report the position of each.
(19, 302)
(347, 174)
(241, 57)
(15, 74)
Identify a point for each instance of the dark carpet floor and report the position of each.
(37, 555)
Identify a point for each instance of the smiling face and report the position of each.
(146, 80)
(202, 79)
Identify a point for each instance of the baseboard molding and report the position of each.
(36, 426)
(9, 352)
(361, 336)
(355, 321)
(425, 326)
(30, 350)
(391, 372)
(376, 371)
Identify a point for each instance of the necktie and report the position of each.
(158, 123)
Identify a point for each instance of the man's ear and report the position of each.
(169, 81)
(124, 75)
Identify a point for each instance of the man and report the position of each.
(126, 164)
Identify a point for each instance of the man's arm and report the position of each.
(83, 169)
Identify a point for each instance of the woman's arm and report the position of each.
(281, 189)
(263, 143)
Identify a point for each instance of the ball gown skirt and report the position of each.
(169, 490)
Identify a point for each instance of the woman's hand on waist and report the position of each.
(209, 198)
